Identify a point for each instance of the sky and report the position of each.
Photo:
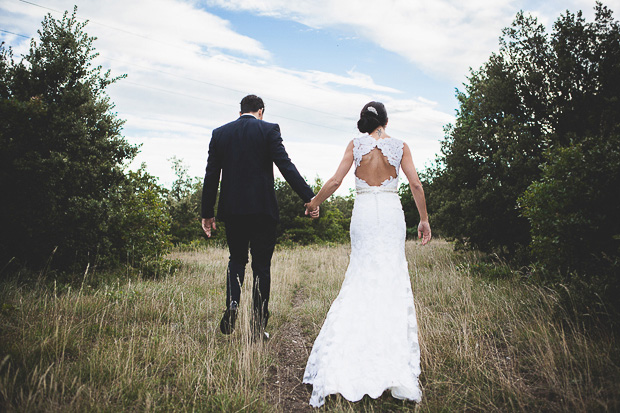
(315, 64)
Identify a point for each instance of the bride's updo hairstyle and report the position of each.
(372, 116)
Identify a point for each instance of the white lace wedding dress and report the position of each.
(369, 341)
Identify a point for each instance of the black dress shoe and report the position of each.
(227, 325)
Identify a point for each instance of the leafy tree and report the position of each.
(539, 92)
(573, 212)
(412, 216)
(574, 208)
(533, 157)
(492, 153)
(184, 204)
(62, 159)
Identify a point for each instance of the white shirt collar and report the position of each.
(248, 113)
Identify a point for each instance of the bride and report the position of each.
(369, 341)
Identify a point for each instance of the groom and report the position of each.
(243, 152)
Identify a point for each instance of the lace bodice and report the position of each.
(392, 150)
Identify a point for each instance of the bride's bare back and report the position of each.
(375, 168)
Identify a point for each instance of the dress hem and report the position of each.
(357, 398)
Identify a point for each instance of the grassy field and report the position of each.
(488, 344)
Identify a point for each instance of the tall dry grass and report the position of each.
(140, 345)
(487, 344)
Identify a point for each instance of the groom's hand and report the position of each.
(207, 225)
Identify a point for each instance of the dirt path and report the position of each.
(285, 386)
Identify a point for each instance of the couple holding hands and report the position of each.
(369, 340)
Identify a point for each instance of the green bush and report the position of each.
(574, 212)
(141, 220)
(66, 194)
(183, 202)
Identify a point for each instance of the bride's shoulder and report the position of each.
(362, 140)
(351, 146)
(393, 142)
(355, 143)
(397, 141)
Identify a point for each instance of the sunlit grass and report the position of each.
(487, 344)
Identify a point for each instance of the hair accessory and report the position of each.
(373, 110)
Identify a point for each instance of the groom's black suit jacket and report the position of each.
(244, 151)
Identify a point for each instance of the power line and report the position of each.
(191, 50)
(150, 69)
(208, 83)
(234, 90)
(172, 92)
(195, 80)
(95, 22)
(16, 34)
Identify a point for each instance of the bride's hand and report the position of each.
(424, 232)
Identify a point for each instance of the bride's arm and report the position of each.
(424, 228)
(335, 181)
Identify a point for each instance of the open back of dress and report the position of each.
(377, 161)
(375, 168)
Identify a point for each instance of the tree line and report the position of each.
(529, 171)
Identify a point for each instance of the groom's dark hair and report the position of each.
(251, 103)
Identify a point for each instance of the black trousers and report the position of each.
(258, 232)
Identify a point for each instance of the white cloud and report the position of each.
(164, 27)
(356, 79)
(444, 38)
(187, 70)
(547, 12)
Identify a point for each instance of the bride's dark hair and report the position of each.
(371, 119)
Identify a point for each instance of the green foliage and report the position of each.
(184, 204)
(574, 208)
(412, 216)
(492, 153)
(62, 160)
(574, 211)
(141, 219)
(539, 91)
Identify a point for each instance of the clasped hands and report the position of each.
(312, 210)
